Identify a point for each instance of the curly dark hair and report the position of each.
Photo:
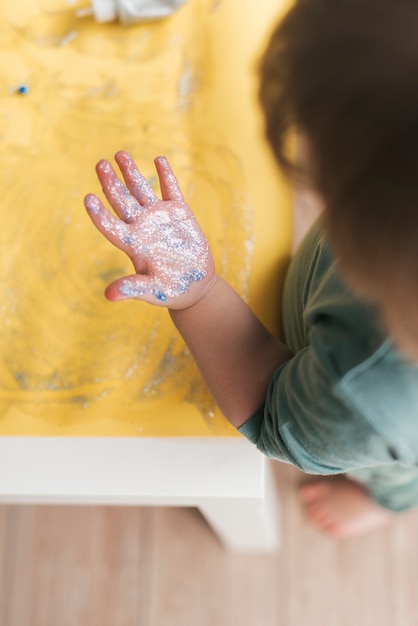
(344, 73)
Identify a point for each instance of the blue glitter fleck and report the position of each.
(161, 296)
(129, 240)
(22, 90)
(196, 275)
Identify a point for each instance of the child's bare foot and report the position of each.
(341, 507)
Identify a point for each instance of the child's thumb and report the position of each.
(137, 287)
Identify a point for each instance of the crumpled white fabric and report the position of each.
(130, 11)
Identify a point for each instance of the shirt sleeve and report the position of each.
(307, 418)
(346, 400)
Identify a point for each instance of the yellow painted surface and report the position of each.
(71, 362)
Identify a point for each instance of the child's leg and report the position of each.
(362, 500)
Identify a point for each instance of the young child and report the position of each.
(341, 397)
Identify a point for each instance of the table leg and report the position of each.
(247, 524)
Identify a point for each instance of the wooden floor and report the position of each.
(88, 566)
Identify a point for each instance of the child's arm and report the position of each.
(235, 353)
(174, 268)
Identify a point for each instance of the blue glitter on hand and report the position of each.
(161, 296)
(131, 291)
(196, 275)
(22, 90)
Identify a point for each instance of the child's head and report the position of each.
(344, 73)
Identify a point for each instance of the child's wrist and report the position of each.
(205, 293)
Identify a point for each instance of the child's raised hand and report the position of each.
(170, 254)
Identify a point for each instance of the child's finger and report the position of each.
(135, 181)
(124, 204)
(170, 189)
(138, 287)
(116, 231)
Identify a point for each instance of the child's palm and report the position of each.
(169, 252)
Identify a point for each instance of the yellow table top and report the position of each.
(71, 362)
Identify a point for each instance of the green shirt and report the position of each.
(347, 399)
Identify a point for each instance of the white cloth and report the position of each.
(130, 11)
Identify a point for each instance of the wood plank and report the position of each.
(128, 566)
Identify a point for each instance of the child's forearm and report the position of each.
(235, 353)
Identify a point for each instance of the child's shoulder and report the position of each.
(318, 303)
(345, 327)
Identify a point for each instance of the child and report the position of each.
(341, 397)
